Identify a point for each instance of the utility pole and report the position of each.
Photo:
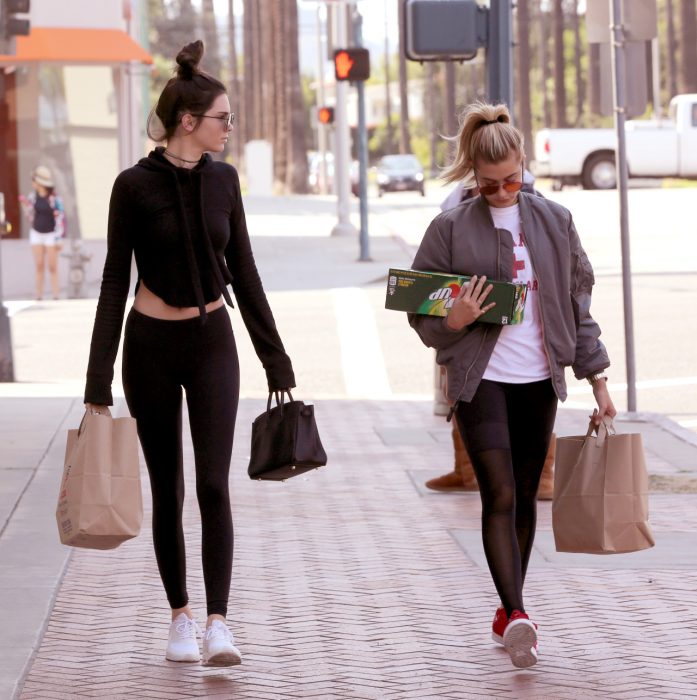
(342, 152)
(617, 35)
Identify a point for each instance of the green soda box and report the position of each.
(433, 294)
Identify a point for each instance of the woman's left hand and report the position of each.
(605, 405)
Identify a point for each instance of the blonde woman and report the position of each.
(506, 380)
(44, 209)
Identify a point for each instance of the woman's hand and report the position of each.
(96, 408)
(467, 307)
(602, 398)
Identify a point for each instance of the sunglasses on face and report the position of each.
(507, 186)
(227, 119)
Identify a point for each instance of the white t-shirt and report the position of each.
(519, 354)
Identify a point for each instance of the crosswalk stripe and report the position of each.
(362, 360)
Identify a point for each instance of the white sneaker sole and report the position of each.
(224, 658)
(188, 658)
(520, 640)
(497, 638)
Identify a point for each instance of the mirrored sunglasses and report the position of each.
(508, 186)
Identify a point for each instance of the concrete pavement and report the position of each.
(354, 582)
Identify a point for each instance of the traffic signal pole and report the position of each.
(499, 52)
(342, 152)
(362, 153)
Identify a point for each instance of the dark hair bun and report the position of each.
(188, 59)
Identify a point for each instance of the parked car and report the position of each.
(396, 173)
(665, 148)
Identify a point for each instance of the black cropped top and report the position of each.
(188, 231)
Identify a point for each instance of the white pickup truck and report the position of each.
(665, 148)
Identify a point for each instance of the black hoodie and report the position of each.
(188, 231)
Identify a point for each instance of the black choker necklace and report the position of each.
(183, 160)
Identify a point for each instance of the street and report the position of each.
(321, 318)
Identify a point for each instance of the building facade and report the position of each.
(73, 100)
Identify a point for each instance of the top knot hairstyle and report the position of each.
(486, 134)
(191, 91)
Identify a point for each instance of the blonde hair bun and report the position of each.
(485, 133)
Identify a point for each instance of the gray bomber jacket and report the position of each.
(465, 241)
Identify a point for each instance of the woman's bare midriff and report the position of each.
(149, 304)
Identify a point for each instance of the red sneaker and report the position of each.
(520, 640)
(499, 625)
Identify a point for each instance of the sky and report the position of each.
(373, 12)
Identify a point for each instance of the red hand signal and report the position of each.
(343, 64)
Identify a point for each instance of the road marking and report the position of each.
(14, 307)
(362, 360)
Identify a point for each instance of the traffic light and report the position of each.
(11, 25)
(325, 115)
(352, 64)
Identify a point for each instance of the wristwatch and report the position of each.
(596, 377)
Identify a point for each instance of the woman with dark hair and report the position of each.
(44, 209)
(181, 214)
(505, 381)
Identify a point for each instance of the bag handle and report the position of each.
(91, 412)
(605, 428)
(279, 401)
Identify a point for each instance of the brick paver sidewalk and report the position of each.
(350, 583)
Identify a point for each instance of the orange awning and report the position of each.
(84, 46)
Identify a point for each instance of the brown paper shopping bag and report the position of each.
(601, 503)
(100, 502)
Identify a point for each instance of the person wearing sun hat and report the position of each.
(46, 215)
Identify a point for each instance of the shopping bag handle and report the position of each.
(279, 401)
(89, 411)
(602, 430)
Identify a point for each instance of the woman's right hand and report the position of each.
(96, 408)
(467, 307)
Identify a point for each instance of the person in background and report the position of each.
(505, 381)
(181, 214)
(44, 209)
(462, 477)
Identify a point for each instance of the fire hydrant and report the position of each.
(76, 273)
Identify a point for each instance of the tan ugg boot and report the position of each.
(462, 477)
(546, 490)
(463, 463)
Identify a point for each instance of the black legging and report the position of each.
(507, 429)
(159, 358)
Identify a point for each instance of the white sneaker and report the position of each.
(182, 644)
(219, 646)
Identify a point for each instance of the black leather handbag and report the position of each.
(285, 440)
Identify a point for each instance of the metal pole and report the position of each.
(7, 373)
(619, 94)
(656, 78)
(362, 153)
(342, 155)
(321, 128)
(498, 54)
